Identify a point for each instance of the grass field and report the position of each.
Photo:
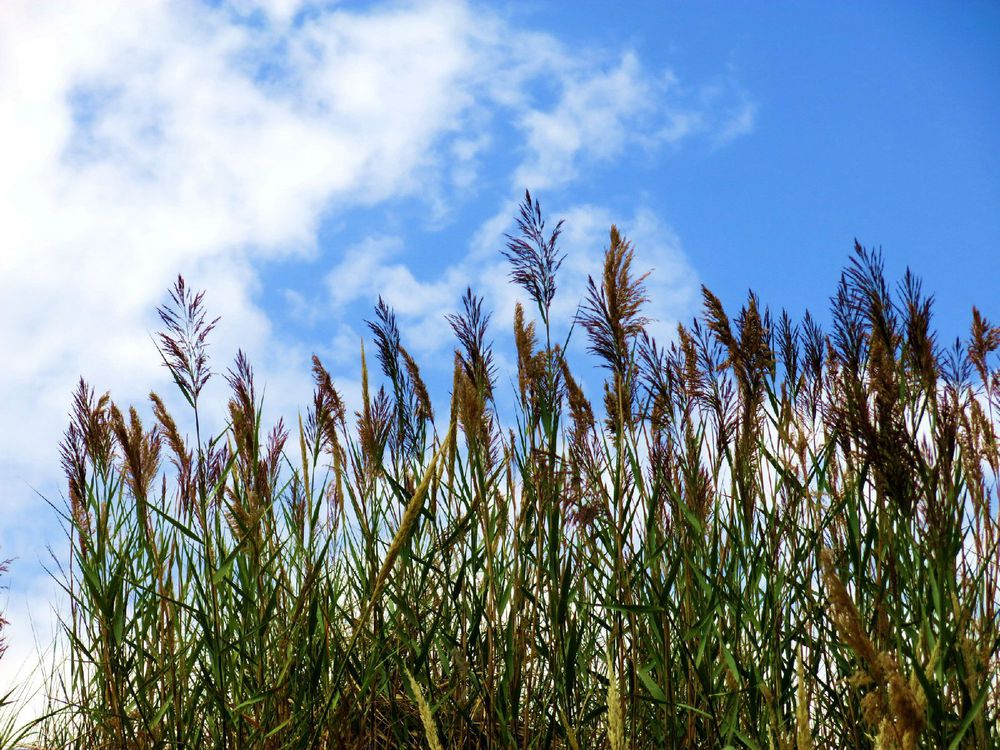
(761, 535)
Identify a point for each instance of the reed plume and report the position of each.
(184, 342)
(616, 724)
(426, 716)
(534, 258)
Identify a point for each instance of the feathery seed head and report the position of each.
(184, 344)
(424, 709)
(534, 258)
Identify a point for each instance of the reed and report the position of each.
(758, 535)
(4, 566)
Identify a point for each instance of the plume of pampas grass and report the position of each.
(612, 311)
(184, 343)
(892, 707)
(534, 258)
(574, 744)
(803, 735)
(426, 716)
(616, 724)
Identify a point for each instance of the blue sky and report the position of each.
(298, 159)
(874, 120)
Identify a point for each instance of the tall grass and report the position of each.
(7, 726)
(13, 727)
(761, 535)
(4, 565)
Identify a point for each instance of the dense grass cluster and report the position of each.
(762, 535)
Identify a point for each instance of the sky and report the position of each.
(298, 159)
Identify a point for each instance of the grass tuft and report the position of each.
(773, 536)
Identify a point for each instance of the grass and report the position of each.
(763, 535)
(4, 566)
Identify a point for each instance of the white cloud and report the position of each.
(276, 11)
(597, 114)
(138, 142)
